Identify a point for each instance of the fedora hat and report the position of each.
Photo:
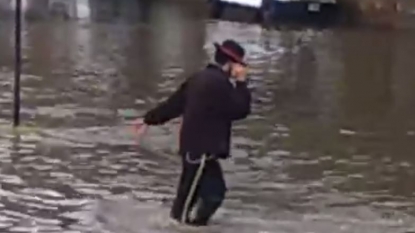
(232, 50)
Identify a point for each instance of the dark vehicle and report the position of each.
(278, 12)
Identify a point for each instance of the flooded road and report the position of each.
(329, 147)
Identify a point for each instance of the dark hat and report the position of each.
(232, 50)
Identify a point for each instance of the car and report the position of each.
(236, 10)
(278, 12)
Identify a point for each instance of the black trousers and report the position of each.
(201, 186)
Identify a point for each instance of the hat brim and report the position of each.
(230, 54)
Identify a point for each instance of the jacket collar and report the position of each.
(217, 67)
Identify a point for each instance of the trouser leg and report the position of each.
(212, 192)
(187, 191)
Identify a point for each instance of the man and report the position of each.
(208, 103)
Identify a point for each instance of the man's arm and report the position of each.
(169, 109)
(233, 103)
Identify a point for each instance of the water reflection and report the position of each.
(374, 70)
(328, 147)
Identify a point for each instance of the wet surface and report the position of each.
(328, 148)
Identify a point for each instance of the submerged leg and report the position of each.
(188, 191)
(212, 193)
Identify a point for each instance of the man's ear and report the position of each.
(227, 66)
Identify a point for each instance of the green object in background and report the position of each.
(128, 113)
(21, 129)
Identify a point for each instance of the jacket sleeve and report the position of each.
(233, 103)
(169, 109)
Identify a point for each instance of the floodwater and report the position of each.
(329, 147)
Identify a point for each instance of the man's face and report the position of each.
(238, 70)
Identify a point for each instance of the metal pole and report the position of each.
(18, 62)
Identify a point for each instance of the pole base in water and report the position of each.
(18, 63)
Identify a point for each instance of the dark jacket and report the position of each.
(208, 103)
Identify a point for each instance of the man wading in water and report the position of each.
(208, 102)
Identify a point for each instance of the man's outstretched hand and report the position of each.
(140, 128)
